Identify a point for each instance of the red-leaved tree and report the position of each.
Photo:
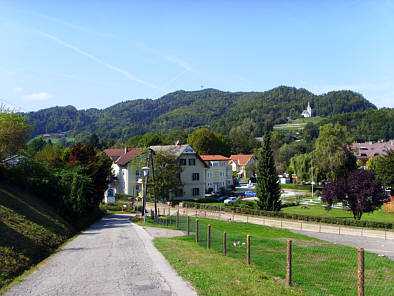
(360, 192)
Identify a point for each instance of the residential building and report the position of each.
(239, 162)
(219, 174)
(193, 170)
(367, 150)
(126, 174)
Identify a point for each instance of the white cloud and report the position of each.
(18, 89)
(42, 96)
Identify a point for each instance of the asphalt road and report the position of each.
(113, 257)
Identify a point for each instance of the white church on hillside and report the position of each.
(307, 112)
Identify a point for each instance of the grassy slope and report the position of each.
(212, 274)
(320, 268)
(30, 231)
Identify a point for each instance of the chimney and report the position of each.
(126, 149)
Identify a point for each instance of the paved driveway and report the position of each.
(113, 257)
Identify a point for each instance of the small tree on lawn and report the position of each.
(268, 188)
(360, 192)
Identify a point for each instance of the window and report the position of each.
(182, 161)
(222, 183)
(137, 188)
(222, 174)
(195, 176)
(137, 173)
(210, 185)
(192, 161)
(209, 174)
(196, 191)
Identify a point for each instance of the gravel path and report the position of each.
(374, 245)
(113, 257)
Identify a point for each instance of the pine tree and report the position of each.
(268, 188)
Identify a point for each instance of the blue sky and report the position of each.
(93, 54)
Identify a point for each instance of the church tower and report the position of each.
(309, 109)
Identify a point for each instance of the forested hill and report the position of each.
(224, 112)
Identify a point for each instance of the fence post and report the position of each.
(288, 263)
(177, 219)
(224, 244)
(196, 231)
(248, 249)
(360, 283)
(209, 237)
(166, 221)
(188, 225)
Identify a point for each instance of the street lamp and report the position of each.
(145, 170)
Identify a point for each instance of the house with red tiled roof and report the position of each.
(219, 174)
(239, 162)
(126, 173)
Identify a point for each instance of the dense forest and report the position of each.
(223, 112)
(371, 125)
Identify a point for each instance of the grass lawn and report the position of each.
(211, 273)
(300, 187)
(319, 268)
(317, 210)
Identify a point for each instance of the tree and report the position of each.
(359, 191)
(243, 144)
(268, 188)
(333, 156)
(310, 132)
(133, 141)
(149, 139)
(383, 167)
(204, 141)
(14, 132)
(301, 166)
(35, 145)
(167, 175)
(94, 141)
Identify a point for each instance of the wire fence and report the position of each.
(316, 267)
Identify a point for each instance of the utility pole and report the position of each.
(151, 153)
(312, 175)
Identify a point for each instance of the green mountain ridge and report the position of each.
(224, 112)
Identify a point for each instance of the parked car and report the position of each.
(250, 193)
(231, 199)
(222, 198)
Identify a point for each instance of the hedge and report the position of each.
(328, 220)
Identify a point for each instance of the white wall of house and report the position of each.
(218, 175)
(127, 179)
(192, 176)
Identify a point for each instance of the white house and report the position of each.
(239, 162)
(126, 174)
(193, 170)
(219, 174)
